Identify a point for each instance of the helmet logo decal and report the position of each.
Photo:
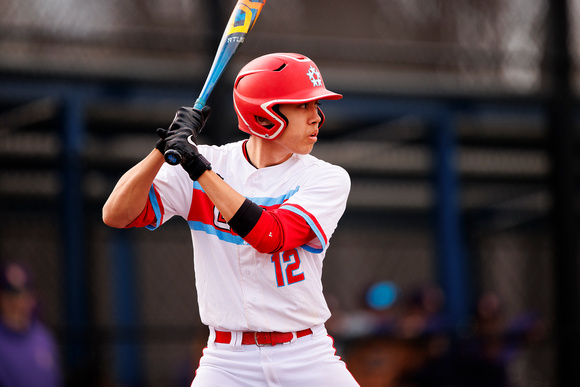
(314, 76)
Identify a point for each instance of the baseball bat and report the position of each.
(241, 21)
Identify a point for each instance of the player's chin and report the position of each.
(311, 141)
(305, 149)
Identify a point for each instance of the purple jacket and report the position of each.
(29, 359)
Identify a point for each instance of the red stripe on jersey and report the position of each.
(201, 209)
(277, 230)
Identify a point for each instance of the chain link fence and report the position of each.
(130, 63)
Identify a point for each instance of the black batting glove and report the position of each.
(160, 146)
(187, 122)
(192, 161)
(182, 135)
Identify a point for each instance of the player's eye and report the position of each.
(307, 104)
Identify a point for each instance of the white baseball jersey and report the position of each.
(240, 289)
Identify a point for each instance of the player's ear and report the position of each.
(264, 122)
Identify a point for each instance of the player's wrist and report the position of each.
(196, 165)
(161, 144)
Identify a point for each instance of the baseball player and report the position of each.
(261, 213)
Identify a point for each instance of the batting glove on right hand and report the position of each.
(192, 161)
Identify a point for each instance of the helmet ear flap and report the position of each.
(276, 109)
(321, 115)
(264, 122)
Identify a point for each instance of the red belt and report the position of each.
(261, 339)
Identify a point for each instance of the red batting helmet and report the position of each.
(274, 79)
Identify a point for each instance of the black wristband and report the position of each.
(196, 166)
(245, 218)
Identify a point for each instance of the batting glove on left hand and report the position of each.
(182, 136)
(187, 122)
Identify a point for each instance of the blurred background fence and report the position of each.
(457, 127)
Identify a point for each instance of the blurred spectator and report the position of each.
(427, 335)
(375, 317)
(28, 351)
(361, 336)
(403, 339)
(395, 333)
(493, 341)
(422, 314)
(480, 356)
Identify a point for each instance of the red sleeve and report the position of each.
(148, 217)
(279, 230)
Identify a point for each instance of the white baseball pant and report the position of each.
(308, 361)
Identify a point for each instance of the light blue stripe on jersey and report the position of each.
(228, 237)
(261, 201)
(268, 202)
(236, 239)
(156, 209)
(222, 235)
(312, 226)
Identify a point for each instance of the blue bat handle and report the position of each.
(199, 104)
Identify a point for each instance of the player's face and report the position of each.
(302, 130)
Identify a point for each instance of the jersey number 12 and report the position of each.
(287, 264)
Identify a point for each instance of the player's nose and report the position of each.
(314, 117)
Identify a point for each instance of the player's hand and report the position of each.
(182, 135)
(191, 160)
(188, 122)
(160, 145)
